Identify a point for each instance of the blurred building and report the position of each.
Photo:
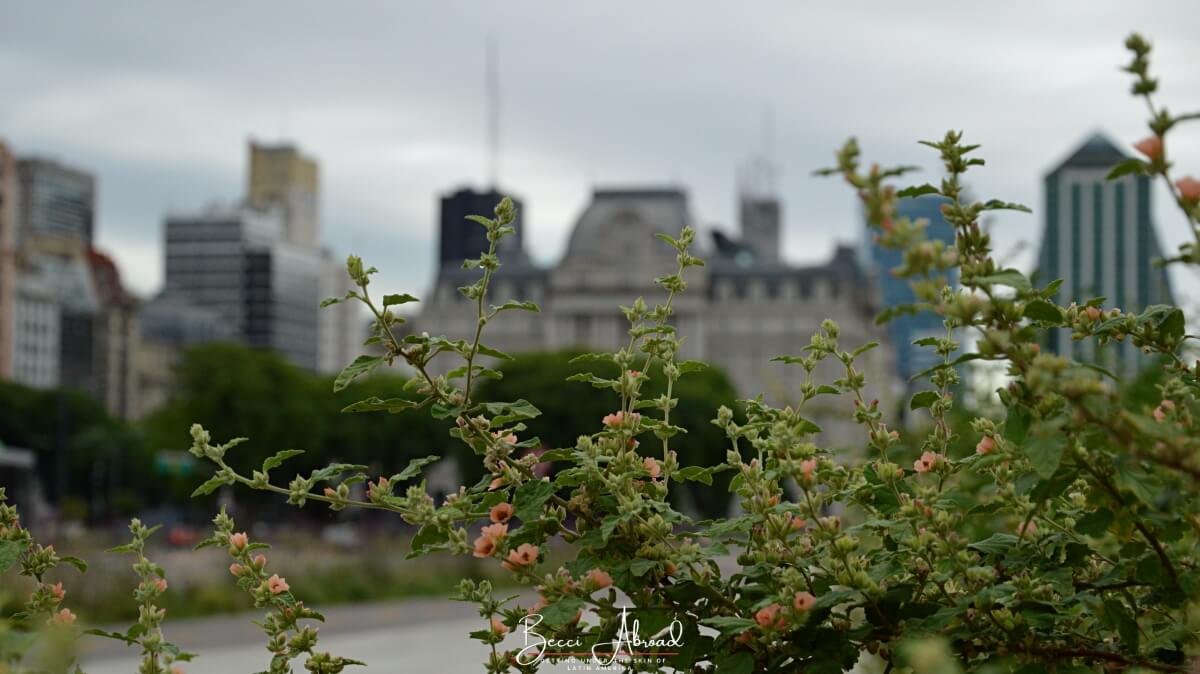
(280, 176)
(8, 258)
(744, 307)
(340, 327)
(237, 262)
(905, 328)
(56, 200)
(1099, 238)
(460, 238)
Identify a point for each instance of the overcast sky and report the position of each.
(159, 98)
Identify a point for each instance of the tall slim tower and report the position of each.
(8, 257)
(1099, 239)
(280, 176)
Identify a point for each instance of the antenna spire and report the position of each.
(492, 90)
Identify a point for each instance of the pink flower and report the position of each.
(803, 601)
(277, 585)
(239, 540)
(927, 462)
(1167, 404)
(538, 606)
(652, 467)
(670, 568)
(496, 484)
(160, 584)
(380, 488)
(617, 418)
(768, 617)
(1093, 313)
(484, 547)
(501, 512)
(177, 670)
(510, 438)
(57, 591)
(495, 531)
(260, 561)
(330, 493)
(635, 373)
(1189, 189)
(498, 627)
(599, 578)
(807, 467)
(799, 523)
(63, 618)
(525, 555)
(1159, 414)
(236, 569)
(1152, 147)
(985, 446)
(1027, 529)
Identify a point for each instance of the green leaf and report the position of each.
(1009, 277)
(695, 474)
(393, 300)
(1132, 165)
(75, 562)
(486, 222)
(430, 537)
(1094, 523)
(997, 205)
(687, 366)
(10, 552)
(1118, 616)
(923, 399)
(1045, 452)
(562, 611)
(926, 341)
(957, 361)
(1041, 310)
(210, 486)
(863, 349)
(506, 413)
(414, 467)
(494, 353)
(278, 458)
(1016, 425)
(737, 662)
(361, 365)
(917, 191)
(639, 567)
(728, 624)
(376, 404)
(514, 304)
(531, 497)
(996, 544)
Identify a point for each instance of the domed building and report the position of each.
(744, 307)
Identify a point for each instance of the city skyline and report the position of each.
(399, 120)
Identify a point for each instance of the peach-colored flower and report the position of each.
(985, 446)
(498, 627)
(260, 561)
(1159, 415)
(617, 418)
(63, 617)
(277, 585)
(799, 523)
(239, 540)
(927, 462)
(1152, 147)
(1093, 313)
(768, 616)
(160, 584)
(330, 493)
(496, 484)
(651, 467)
(501, 512)
(177, 670)
(744, 638)
(1189, 189)
(803, 601)
(599, 578)
(484, 547)
(380, 488)
(807, 467)
(495, 531)
(525, 555)
(635, 373)
(236, 569)
(57, 591)
(509, 438)
(1167, 404)
(1027, 529)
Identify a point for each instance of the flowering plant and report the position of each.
(1066, 540)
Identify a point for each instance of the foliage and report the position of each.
(1065, 541)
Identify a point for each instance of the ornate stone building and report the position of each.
(745, 306)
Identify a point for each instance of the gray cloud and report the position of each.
(159, 98)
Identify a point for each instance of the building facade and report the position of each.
(1099, 238)
(905, 328)
(237, 263)
(280, 176)
(56, 200)
(740, 310)
(8, 258)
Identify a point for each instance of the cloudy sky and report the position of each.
(159, 98)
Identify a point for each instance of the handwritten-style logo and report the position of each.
(627, 643)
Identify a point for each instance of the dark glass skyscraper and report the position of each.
(460, 238)
(1099, 238)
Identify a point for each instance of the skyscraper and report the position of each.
(280, 176)
(55, 200)
(460, 238)
(8, 257)
(1099, 238)
(893, 291)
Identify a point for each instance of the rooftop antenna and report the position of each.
(757, 176)
(492, 90)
